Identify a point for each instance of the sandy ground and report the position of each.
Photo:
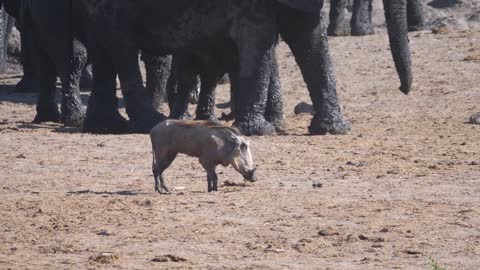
(402, 187)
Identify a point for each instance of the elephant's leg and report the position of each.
(255, 43)
(183, 80)
(308, 41)
(138, 102)
(274, 110)
(361, 23)
(157, 73)
(338, 25)
(27, 83)
(70, 74)
(102, 111)
(206, 102)
(415, 17)
(45, 75)
(233, 83)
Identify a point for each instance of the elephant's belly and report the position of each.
(201, 21)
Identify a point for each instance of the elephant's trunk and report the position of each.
(396, 17)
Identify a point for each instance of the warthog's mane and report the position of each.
(212, 124)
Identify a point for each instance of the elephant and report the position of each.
(48, 53)
(361, 21)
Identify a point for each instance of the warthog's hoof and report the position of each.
(258, 126)
(319, 126)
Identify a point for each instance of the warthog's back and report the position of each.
(193, 138)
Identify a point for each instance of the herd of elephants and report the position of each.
(186, 43)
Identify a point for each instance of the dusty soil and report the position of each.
(402, 187)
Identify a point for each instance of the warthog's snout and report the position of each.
(251, 175)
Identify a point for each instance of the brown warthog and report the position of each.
(210, 141)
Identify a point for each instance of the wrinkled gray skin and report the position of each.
(210, 141)
(361, 21)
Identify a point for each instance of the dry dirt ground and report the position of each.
(402, 187)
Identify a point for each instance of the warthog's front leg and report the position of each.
(159, 166)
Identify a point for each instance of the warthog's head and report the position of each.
(242, 159)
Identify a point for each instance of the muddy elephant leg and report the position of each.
(27, 83)
(45, 75)
(206, 102)
(102, 111)
(308, 41)
(415, 17)
(138, 102)
(157, 73)
(256, 47)
(182, 81)
(338, 25)
(274, 110)
(361, 23)
(70, 73)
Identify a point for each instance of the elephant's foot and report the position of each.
(321, 126)
(278, 121)
(338, 29)
(26, 85)
(475, 119)
(103, 121)
(47, 113)
(362, 29)
(254, 126)
(145, 121)
(73, 113)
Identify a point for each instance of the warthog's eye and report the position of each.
(243, 147)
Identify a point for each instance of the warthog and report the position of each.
(210, 141)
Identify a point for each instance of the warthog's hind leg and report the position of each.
(212, 179)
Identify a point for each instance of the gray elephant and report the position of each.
(361, 21)
(115, 36)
